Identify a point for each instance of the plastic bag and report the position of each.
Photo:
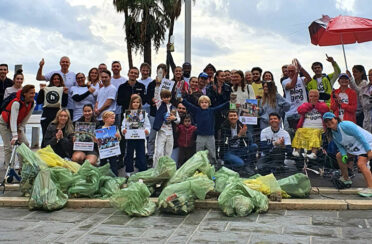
(297, 185)
(134, 200)
(198, 162)
(179, 198)
(31, 165)
(45, 193)
(62, 177)
(225, 176)
(110, 185)
(163, 171)
(239, 200)
(53, 160)
(266, 184)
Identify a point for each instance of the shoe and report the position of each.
(312, 156)
(346, 182)
(128, 174)
(366, 192)
(295, 154)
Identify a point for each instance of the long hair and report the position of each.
(89, 75)
(328, 132)
(270, 97)
(69, 128)
(242, 83)
(93, 119)
(60, 77)
(135, 97)
(362, 70)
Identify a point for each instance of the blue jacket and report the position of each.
(204, 118)
(159, 118)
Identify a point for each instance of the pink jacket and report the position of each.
(307, 107)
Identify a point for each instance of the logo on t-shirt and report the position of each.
(52, 97)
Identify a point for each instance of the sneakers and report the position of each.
(312, 156)
(366, 192)
(346, 182)
(296, 153)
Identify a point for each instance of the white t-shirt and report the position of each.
(69, 80)
(10, 90)
(320, 85)
(105, 93)
(295, 96)
(344, 99)
(241, 96)
(268, 135)
(96, 86)
(78, 110)
(313, 119)
(146, 82)
(117, 82)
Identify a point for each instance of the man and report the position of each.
(69, 78)
(186, 71)
(274, 144)
(284, 73)
(295, 93)
(256, 82)
(5, 82)
(102, 67)
(323, 82)
(248, 77)
(132, 86)
(106, 96)
(210, 70)
(116, 81)
(228, 77)
(202, 82)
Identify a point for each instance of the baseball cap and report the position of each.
(203, 75)
(328, 115)
(343, 75)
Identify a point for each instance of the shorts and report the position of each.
(307, 138)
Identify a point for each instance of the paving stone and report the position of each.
(52, 227)
(221, 237)
(14, 213)
(220, 216)
(182, 234)
(61, 216)
(15, 225)
(94, 239)
(357, 233)
(322, 240)
(21, 236)
(157, 235)
(110, 230)
(92, 221)
(155, 221)
(291, 220)
(195, 217)
(70, 236)
(51, 237)
(307, 230)
(255, 227)
(311, 213)
(335, 221)
(116, 239)
(118, 220)
(359, 214)
(278, 239)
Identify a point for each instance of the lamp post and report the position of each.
(188, 31)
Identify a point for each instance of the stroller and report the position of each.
(10, 173)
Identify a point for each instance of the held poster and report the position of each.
(135, 124)
(166, 84)
(84, 135)
(249, 112)
(108, 144)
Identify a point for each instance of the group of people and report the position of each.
(192, 113)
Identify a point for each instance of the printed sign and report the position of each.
(108, 144)
(84, 135)
(53, 96)
(166, 84)
(248, 112)
(135, 124)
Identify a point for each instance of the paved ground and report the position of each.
(202, 226)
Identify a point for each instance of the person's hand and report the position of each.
(96, 111)
(100, 84)
(345, 159)
(330, 59)
(14, 140)
(171, 117)
(73, 139)
(369, 154)
(243, 131)
(348, 73)
(147, 132)
(59, 134)
(65, 90)
(281, 141)
(124, 131)
(180, 99)
(42, 62)
(95, 140)
(117, 135)
(91, 89)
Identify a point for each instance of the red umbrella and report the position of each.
(340, 30)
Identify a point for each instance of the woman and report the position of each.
(81, 95)
(219, 92)
(59, 134)
(49, 112)
(194, 92)
(91, 156)
(240, 89)
(180, 87)
(268, 76)
(344, 100)
(363, 88)
(350, 140)
(14, 118)
(18, 81)
(272, 102)
(94, 81)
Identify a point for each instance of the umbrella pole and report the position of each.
(343, 50)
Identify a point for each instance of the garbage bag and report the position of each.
(53, 160)
(62, 177)
(237, 199)
(265, 184)
(197, 163)
(179, 198)
(31, 165)
(163, 171)
(297, 185)
(86, 181)
(45, 193)
(109, 185)
(134, 200)
(225, 176)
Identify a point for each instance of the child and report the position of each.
(186, 140)
(165, 116)
(108, 118)
(204, 118)
(136, 144)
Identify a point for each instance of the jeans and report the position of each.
(139, 146)
(114, 165)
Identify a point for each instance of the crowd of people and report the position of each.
(195, 113)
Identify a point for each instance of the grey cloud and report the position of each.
(205, 47)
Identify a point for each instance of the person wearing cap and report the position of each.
(210, 70)
(323, 82)
(186, 72)
(350, 139)
(203, 82)
(344, 100)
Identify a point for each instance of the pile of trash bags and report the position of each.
(50, 181)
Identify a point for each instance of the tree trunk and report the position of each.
(147, 51)
(129, 46)
(169, 37)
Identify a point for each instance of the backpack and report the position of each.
(7, 100)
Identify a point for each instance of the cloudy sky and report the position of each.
(231, 34)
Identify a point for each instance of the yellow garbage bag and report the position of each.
(265, 184)
(53, 160)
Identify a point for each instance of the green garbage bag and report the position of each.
(225, 176)
(31, 165)
(163, 171)
(62, 177)
(134, 200)
(179, 198)
(197, 163)
(237, 199)
(297, 185)
(110, 185)
(45, 193)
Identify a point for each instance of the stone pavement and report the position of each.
(19, 225)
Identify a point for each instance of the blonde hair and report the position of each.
(204, 98)
(69, 128)
(133, 98)
(314, 91)
(107, 114)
